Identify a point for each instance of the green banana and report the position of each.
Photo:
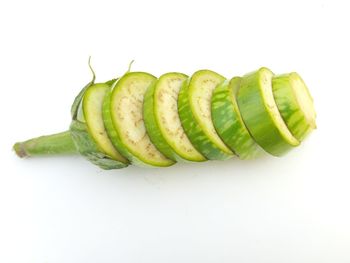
(139, 119)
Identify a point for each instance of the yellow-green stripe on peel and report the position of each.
(295, 104)
(92, 109)
(151, 124)
(162, 119)
(228, 121)
(126, 112)
(107, 120)
(194, 105)
(260, 113)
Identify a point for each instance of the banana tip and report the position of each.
(19, 150)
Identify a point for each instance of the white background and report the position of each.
(63, 209)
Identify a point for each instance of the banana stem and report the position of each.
(59, 143)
